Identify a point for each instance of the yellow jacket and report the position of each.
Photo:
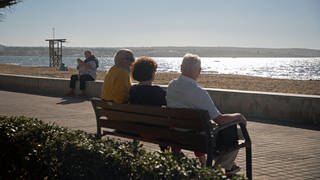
(116, 85)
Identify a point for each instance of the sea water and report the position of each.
(284, 68)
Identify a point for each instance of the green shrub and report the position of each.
(31, 149)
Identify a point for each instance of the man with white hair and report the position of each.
(184, 92)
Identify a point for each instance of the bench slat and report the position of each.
(195, 141)
(152, 120)
(155, 141)
(178, 113)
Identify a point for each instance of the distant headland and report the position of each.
(170, 51)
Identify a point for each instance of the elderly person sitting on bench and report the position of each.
(184, 92)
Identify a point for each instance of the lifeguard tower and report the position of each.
(55, 52)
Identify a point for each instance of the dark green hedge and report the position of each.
(31, 149)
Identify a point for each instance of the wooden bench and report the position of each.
(164, 125)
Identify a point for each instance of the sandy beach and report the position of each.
(223, 81)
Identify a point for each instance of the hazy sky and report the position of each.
(127, 23)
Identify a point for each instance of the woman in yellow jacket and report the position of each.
(117, 82)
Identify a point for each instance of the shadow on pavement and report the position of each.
(315, 127)
(71, 100)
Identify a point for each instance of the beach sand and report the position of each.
(222, 81)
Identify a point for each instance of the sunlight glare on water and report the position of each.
(284, 68)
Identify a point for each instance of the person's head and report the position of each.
(144, 69)
(124, 58)
(191, 66)
(87, 53)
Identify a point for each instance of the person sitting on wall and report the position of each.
(184, 92)
(63, 67)
(87, 72)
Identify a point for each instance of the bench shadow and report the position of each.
(71, 100)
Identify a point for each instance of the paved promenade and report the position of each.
(279, 151)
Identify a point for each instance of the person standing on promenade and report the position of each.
(117, 82)
(184, 92)
(87, 72)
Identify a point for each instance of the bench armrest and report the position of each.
(246, 143)
(224, 126)
(242, 127)
(95, 98)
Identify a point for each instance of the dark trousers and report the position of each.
(83, 78)
(227, 138)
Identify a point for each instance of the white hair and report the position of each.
(190, 63)
(123, 55)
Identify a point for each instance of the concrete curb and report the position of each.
(264, 105)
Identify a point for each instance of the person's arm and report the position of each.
(79, 62)
(163, 98)
(116, 87)
(122, 87)
(204, 101)
(225, 118)
(131, 99)
(89, 65)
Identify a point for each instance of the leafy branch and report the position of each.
(8, 3)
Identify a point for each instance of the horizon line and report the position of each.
(243, 47)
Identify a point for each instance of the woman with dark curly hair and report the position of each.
(144, 93)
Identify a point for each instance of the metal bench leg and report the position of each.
(248, 151)
(209, 159)
(249, 162)
(98, 130)
(211, 147)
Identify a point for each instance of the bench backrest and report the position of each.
(186, 128)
